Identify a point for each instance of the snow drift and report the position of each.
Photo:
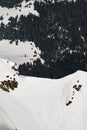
(43, 104)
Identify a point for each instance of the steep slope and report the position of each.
(43, 104)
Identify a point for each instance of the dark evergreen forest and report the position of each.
(60, 32)
(10, 3)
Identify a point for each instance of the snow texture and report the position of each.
(42, 104)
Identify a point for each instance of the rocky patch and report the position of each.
(76, 87)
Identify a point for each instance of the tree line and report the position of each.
(60, 32)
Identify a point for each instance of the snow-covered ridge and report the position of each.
(41, 104)
(25, 9)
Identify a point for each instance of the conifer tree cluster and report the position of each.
(8, 85)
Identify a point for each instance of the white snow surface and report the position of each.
(25, 9)
(40, 104)
(22, 53)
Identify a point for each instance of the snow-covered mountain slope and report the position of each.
(43, 104)
(22, 53)
(25, 9)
